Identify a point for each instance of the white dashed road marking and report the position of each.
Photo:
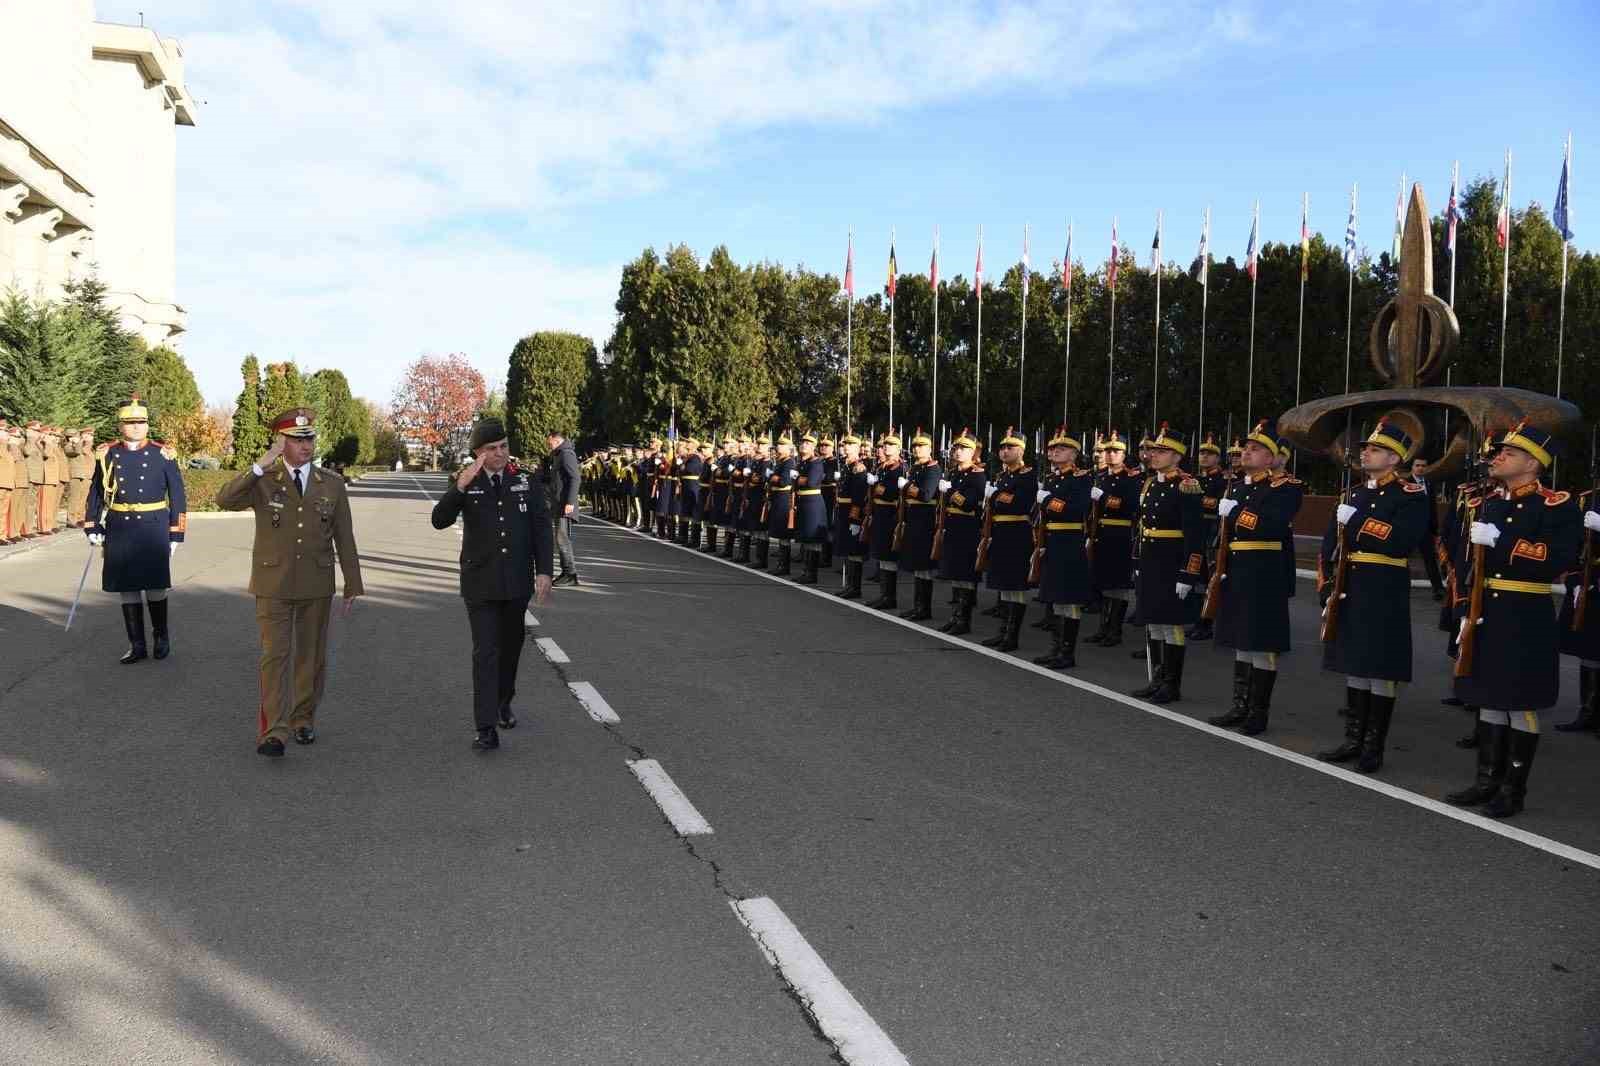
(673, 803)
(551, 650)
(529, 620)
(593, 702)
(843, 1020)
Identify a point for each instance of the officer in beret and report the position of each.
(302, 523)
(138, 512)
(507, 539)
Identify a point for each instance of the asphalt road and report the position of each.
(996, 866)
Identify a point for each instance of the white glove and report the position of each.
(97, 539)
(1345, 513)
(793, 474)
(900, 482)
(174, 550)
(989, 490)
(1591, 520)
(1225, 506)
(747, 471)
(1042, 495)
(1485, 533)
(855, 530)
(1576, 591)
(1184, 590)
(872, 479)
(944, 485)
(1096, 492)
(1461, 632)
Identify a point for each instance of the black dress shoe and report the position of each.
(566, 580)
(487, 740)
(305, 735)
(507, 719)
(272, 747)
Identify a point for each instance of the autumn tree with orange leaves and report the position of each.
(436, 401)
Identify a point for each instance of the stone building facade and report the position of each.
(88, 155)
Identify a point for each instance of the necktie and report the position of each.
(298, 484)
(494, 483)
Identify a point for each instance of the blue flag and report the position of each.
(1561, 217)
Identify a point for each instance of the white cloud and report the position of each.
(351, 156)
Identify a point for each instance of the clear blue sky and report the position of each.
(381, 178)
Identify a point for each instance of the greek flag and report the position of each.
(1350, 233)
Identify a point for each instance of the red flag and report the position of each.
(850, 267)
(894, 269)
(1066, 261)
(933, 270)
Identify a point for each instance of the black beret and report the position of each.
(487, 431)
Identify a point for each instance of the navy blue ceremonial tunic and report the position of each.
(922, 501)
(689, 471)
(755, 495)
(136, 499)
(666, 488)
(781, 478)
(1064, 577)
(1253, 614)
(830, 486)
(810, 512)
(963, 525)
(848, 510)
(1171, 543)
(1374, 632)
(1516, 657)
(717, 512)
(1583, 642)
(1113, 543)
(1010, 535)
(885, 508)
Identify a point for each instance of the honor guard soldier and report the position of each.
(849, 511)
(755, 513)
(664, 490)
(1171, 546)
(1249, 588)
(8, 474)
(886, 482)
(1362, 567)
(648, 465)
(302, 521)
(962, 522)
(507, 555)
(137, 511)
(830, 495)
(1524, 537)
(1580, 620)
(55, 478)
(1236, 460)
(1116, 507)
(1011, 499)
(691, 467)
(920, 496)
(781, 478)
(1063, 515)
(733, 494)
(717, 509)
(1213, 484)
(810, 513)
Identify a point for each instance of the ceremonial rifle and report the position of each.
(938, 523)
(900, 513)
(1219, 571)
(1341, 569)
(986, 536)
(1468, 641)
(1036, 560)
(1580, 607)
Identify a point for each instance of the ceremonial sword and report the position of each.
(79, 595)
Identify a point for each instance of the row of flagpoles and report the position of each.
(1200, 270)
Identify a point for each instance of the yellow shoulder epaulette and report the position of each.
(102, 449)
(1286, 479)
(1191, 486)
(1025, 470)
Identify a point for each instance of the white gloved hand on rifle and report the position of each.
(1042, 495)
(1225, 506)
(1096, 492)
(1591, 520)
(1345, 513)
(944, 485)
(989, 490)
(872, 479)
(1184, 590)
(900, 482)
(1485, 533)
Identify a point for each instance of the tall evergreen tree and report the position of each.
(249, 425)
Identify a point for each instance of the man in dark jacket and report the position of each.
(506, 539)
(561, 477)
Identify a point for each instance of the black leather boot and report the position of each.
(1471, 740)
(1376, 735)
(742, 552)
(852, 581)
(1013, 626)
(921, 602)
(1153, 648)
(997, 611)
(785, 559)
(1104, 628)
(1241, 697)
(1493, 748)
(158, 628)
(762, 555)
(998, 641)
(1069, 644)
(1508, 800)
(827, 551)
(888, 580)
(1588, 720)
(1047, 621)
(1119, 611)
(963, 613)
(1357, 706)
(133, 621)
(710, 547)
(730, 544)
(1261, 682)
(1171, 690)
(1053, 656)
(808, 566)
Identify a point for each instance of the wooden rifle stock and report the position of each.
(985, 537)
(1330, 613)
(1580, 607)
(1219, 571)
(938, 530)
(1469, 632)
(900, 519)
(1036, 560)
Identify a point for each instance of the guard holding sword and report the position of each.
(137, 512)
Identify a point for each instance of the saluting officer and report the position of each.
(507, 550)
(1583, 642)
(924, 476)
(302, 521)
(810, 513)
(1171, 544)
(1525, 536)
(1064, 582)
(886, 481)
(1116, 507)
(849, 511)
(1252, 611)
(137, 510)
(964, 496)
(1382, 522)
(9, 457)
(1011, 499)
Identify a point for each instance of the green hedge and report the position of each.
(200, 487)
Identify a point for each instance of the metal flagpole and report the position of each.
(1022, 350)
(1155, 364)
(933, 416)
(893, 269)
(1563, 228)
(1111, 349)
(1505, 271)
(977, 372)
(1250, 380)
(1066, 371)
(849, 316)
(1452, 236)
(1205, 291)
(1300, 328)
